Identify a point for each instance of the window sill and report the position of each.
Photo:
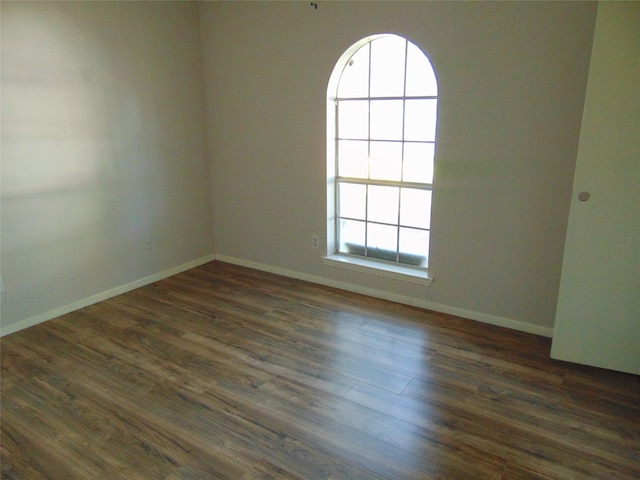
(365, 265)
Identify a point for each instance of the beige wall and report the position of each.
(512, 80)
(103, 149)
(103, 145)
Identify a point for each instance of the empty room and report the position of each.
(320, 240)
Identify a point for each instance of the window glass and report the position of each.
(354, 159)
(384, 239)
(386, 160)
(420, 120)
(352, 237)
(353, 119)
(387, 67)
(353, 200)
(354, 81)
(386, 119)
(417, 165)
(421, 81)
(414, 246)
(382, 205)
(415, 208)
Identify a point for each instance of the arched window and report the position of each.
(381, 111)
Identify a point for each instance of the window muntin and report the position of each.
(386, 112)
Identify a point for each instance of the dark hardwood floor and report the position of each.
(228, 373)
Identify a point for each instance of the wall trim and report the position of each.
(415, 302)
(407, 300)
(99, 297)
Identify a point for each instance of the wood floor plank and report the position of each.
(389, 442)
(224, 372)
(266, 470)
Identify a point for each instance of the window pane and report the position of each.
(353, 119)
(415, 208)
(387, 67)
(386, 119)
(418, 162)
(351, 237)
(354, 81)
(382, 241)
(420, 120)
(383, 204)
(421, 80)
(414, 246)
(353, 159)
(386, 160)
(352, 200)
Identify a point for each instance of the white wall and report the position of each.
(512, 80)
(598, 316)
(103, 148)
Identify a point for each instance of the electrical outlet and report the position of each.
(315, 241)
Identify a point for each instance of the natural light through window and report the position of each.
(385, 111)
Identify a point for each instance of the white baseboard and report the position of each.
(416, 302)
(85, 302)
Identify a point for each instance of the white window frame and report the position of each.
(410, 273)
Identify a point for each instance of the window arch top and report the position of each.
(387, 66)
